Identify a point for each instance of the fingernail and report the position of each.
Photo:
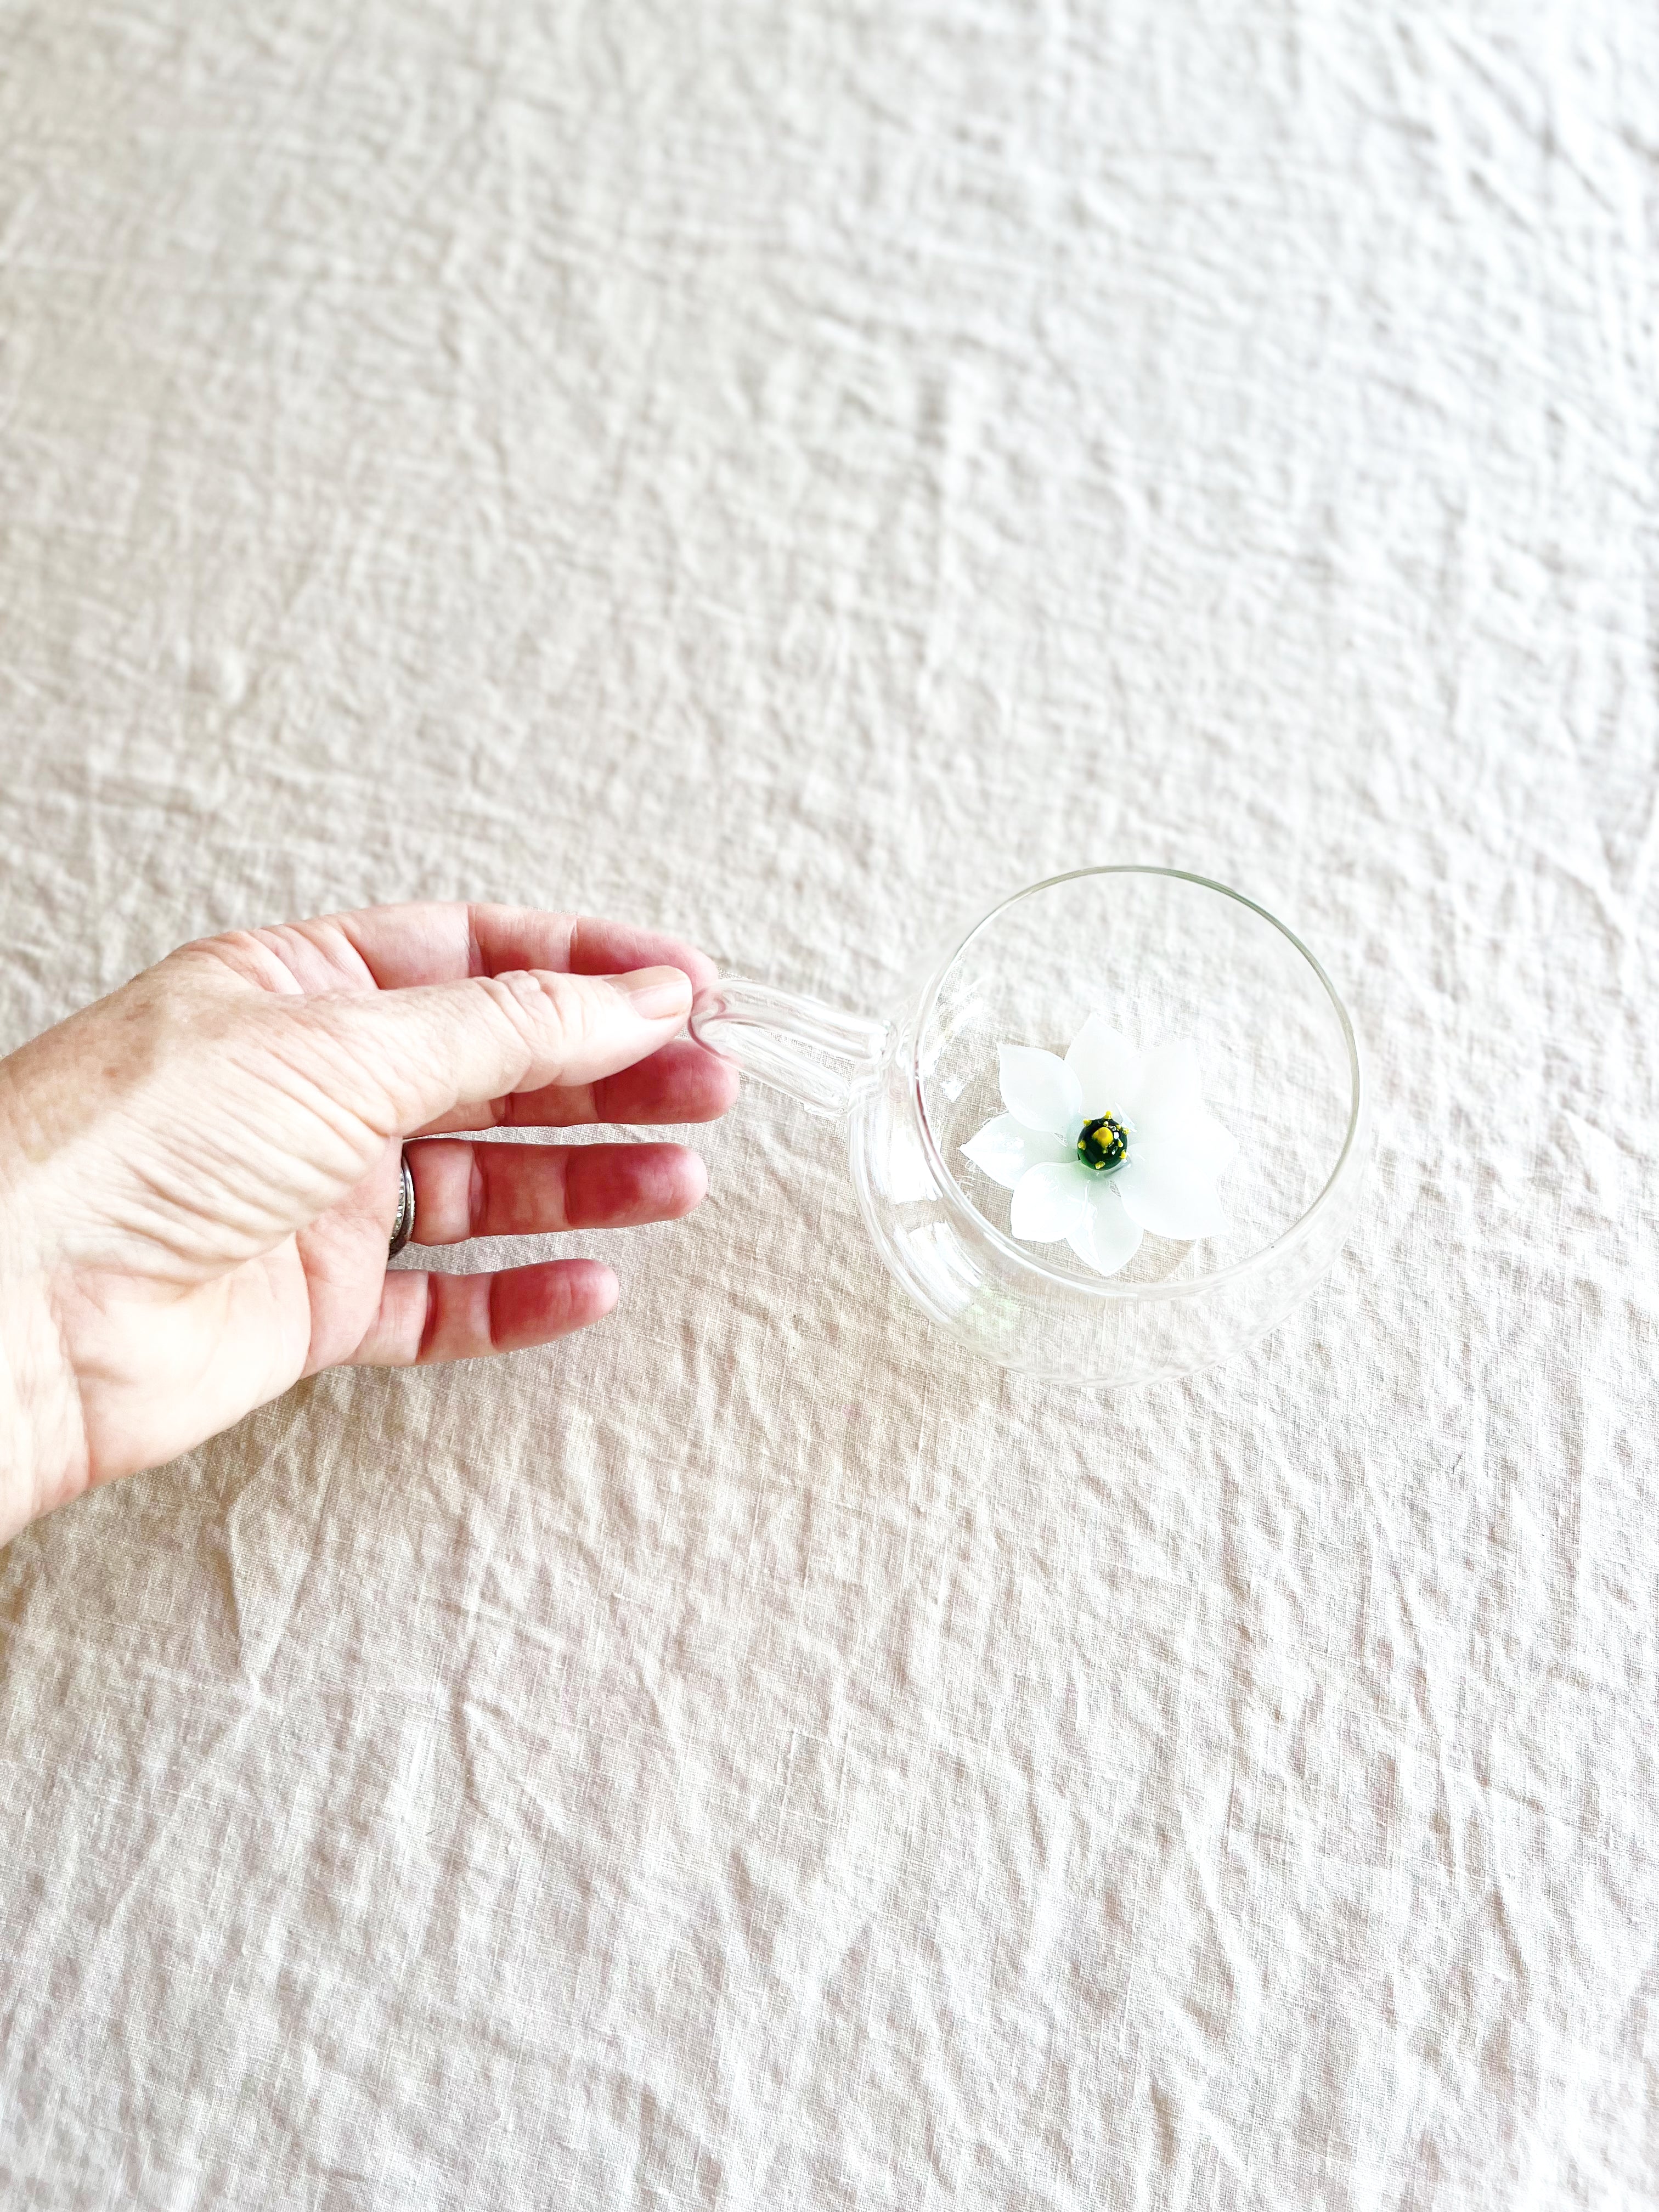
(656, 994)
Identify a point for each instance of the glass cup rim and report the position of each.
(1108, 1287)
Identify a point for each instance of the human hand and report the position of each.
(199, 1174)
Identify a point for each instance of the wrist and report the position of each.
(38, 1403)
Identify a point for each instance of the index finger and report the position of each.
(446, 941)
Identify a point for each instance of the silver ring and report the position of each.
(403, 1227)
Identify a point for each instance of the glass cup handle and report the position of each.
(818, 1054)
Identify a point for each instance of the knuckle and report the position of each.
(231, 956)
(548, 1010)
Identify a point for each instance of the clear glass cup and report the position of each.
(1163, 956)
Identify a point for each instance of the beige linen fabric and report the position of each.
(793, 472)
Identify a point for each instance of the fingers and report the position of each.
(680, 1082)
(426, 1318)
(404, 1060)
(463, 1190)
(433, 942)
(683, 1082)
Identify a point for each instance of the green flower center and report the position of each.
(1104, 1145)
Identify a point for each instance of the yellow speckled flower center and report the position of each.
(1104, 1144)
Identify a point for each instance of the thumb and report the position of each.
(425, 1049)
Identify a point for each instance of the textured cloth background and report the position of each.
(793, 469)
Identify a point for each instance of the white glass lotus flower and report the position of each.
(1104, 1146)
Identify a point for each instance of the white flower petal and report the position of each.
(1105, 1238)
(1171, 1093)
(1169, 1193)
(1211, 1145)
(1048, 1200)
(1106, 1066)
(1040, 1089)
(1006, 1148)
